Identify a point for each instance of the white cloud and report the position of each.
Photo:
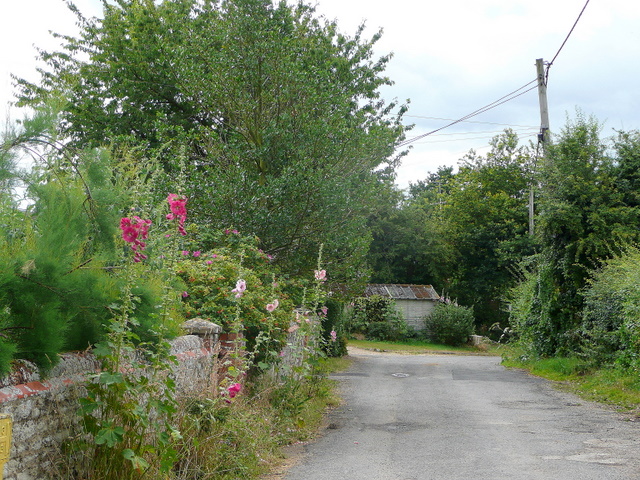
(451, 57)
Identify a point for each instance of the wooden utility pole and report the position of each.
(542, 97)
(543, 136)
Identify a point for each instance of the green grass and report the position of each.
(419, 346)
(611, 386)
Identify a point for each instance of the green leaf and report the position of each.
(102, 350)
(109, 436)
(108, 378)
(138, 463)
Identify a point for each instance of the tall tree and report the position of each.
(276, 114)
(487, 225)
(587, 215)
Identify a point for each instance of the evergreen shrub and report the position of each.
(450, 324)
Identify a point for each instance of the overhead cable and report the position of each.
(470, 121)
(478, 132)
(565, 41)
(535, 134)
(494, 104)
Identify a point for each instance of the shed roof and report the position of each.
(402, 291)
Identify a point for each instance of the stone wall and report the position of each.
(44, 411)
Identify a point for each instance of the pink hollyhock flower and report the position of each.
(178, 207)
(196, 253)
(209, 262)
(324, 310)
(185, 294)
(185, 252)
(241, 286)
(234, 389)
(334, 335)
(272, 306)
(320, 275)
(134, 231)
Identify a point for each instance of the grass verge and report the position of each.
(420, 346)
(612, 386)
(244, 439)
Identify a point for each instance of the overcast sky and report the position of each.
(450, 58)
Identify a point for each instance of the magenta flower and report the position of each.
(234, 389)
(272, 306)
(185, 294)
(334, 335)
(196, 253)
(209, 262)
(185, 252)
(320, 275)
(178, 207)
(134, 231)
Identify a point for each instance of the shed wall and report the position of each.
(414, 311)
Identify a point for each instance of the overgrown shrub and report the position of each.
(334, 328)
(377, 318)
(211, 276)
(450, 324)
(611, 317)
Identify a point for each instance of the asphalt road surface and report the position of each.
(449, 417)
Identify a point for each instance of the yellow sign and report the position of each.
(5, 440)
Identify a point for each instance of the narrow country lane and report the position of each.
(449, 417)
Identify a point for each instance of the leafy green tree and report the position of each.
(486, 225)
(276, 114)
(587, 215)
(408, 245)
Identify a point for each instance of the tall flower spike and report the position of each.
(178, 207)
(134, 231)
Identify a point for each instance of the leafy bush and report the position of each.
(211, 276)
(450, 324)
(611, 316)
(335, 321)
(377, 318)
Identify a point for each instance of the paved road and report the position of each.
(446, 417)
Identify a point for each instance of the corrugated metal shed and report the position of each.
(402, 292)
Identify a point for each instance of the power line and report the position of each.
(565, 40)
(494, 104)
(534, 134)
(478, 132)
(471, 121)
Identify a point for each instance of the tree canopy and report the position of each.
(272, 113)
